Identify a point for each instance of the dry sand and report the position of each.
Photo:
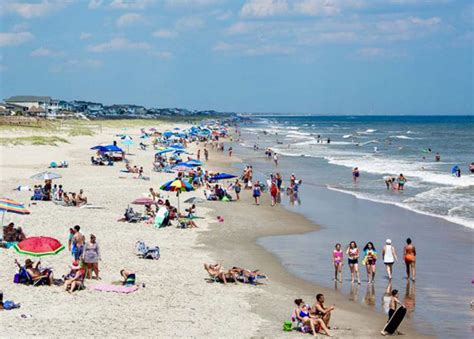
(177, 300)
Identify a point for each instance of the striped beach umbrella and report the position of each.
(11, 206)
(46, 176)
(178, 186)
(39, 246)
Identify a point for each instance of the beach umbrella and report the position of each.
(194, 162)
(39, 246)
(127, 141)
(166, 150)
(178, 186)
(179, 151)
(11, 206)
(222, 176)
(46, 176)
(167, 134)
(176, 146)
(143, 201)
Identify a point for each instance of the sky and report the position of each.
(290, 56)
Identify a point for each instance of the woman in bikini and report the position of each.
(353, 253)
(337, 258)
(409, 254)
(304, 316)
(370, 258)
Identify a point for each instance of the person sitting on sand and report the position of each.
(81, 198)
(191, 211)
(129, 278)
(304, 316)
(247, 275)
(323, 312)
(215, 271)
(36, 274)
(75, 279)
(12, 235)
(149, 211)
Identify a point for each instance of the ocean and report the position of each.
(436, 209)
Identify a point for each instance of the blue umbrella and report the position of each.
(166, 150)
(194, 162)
(222, 176)
(167, 134)
(177, 146)
(187, 164)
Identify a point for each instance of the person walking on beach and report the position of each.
(355, 175)
(274, 192)
(91, 257)
(389, 257)
(230, 151)
(257, 191)
(409, 254)
(370, 258)
(353, 253)
(206, 154)
(337, 261)
(279, 180)
(199, 154)
(237, 189)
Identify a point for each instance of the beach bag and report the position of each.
(287, 326)
(10, 305)
(16, 278)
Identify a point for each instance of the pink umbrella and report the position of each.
(144, 201)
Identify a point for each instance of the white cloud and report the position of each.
(85, 36)
(75, 65)
(252, 50)
(189, 23)
(20, 27)
(94, 4)
(32, 10)
(118, 44)
(373, 53)
(14, 38)
(316, 7)
(161, 55)
(131, 4)
(188, 3)
(164, 34)
(129, 19)
(222, 15)
(243, 27)
(46, 52)
(264, 8)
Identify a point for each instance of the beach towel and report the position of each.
(113, 288)
(161, 216)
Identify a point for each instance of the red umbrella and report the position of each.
(39, 246)
(144, 201)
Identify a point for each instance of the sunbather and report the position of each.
(304, 316)
(75, 279)
(129, 278)
(81, 199)
(36, 274)
(247, 275)
(215, 271)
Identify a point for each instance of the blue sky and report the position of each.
(306, 56)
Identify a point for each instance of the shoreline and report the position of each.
(241, 247)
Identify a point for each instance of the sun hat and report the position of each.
(388, 241)
(75, 265)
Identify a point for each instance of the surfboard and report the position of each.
(395, 320)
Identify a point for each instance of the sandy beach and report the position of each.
(176, 300)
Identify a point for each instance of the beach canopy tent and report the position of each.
(222, 176)
(193, 163)
(178, 186)
(11, 206)
(45, 176)
(188, 164)
(166, 150)
(179, 151)
(167, 134)
(176, 146)
(107, 148)
(39, 246)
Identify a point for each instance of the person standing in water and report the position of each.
(370, 258)
(409, 254)
(275, 159)
(353, 253)
(337, 259)
(355, 175)
(389, 257)
(401, 181)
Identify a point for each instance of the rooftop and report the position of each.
(28, 98)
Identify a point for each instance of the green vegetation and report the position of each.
(78, 131)
(33, 140)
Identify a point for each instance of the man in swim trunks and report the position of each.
(323, 312)
(78, 242)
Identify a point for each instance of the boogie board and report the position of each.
(395, 320)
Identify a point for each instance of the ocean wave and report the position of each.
(404, 137)
(467, 222)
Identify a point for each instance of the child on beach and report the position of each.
(370, 258)
(353, 253)
(257, 191)
(394, 302)
(355, 175)
(337, 258)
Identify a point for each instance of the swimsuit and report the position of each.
(337, 255)
(304, 314)
(353, 261)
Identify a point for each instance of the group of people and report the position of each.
(11, 235)
(235, 275)
(315, 319)
(395, 184)
(369, 257)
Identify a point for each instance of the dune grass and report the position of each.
(34, 140)
(78, 131)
